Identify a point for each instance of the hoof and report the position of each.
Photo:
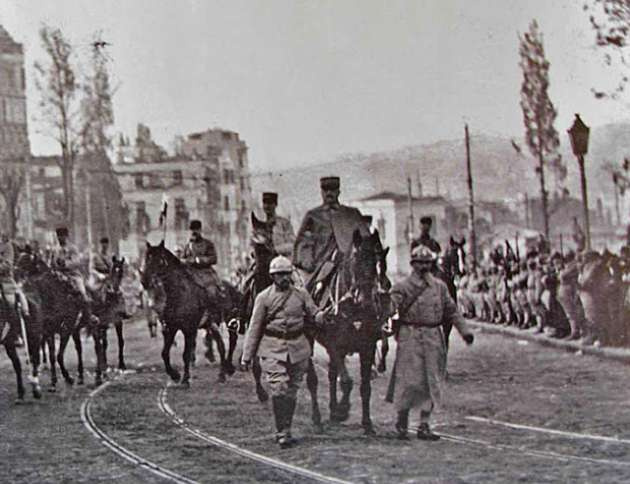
(210, 357)
(318, 428)
(122, 367)
(69, 380)
(19, 400)
(263, 396)
(175, 376)
(229, 369)
(339, 417)
(80, 381)
(185, 384)
(368, 429)
(381, 367)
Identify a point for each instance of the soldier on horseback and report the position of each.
(200, 255)
(425, 236)
(325, 237)
(11, 292)
(101, 269)
(67, 261)
(281, 229)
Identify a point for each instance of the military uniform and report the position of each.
(424, 305)
(283, 235)
(9, 287)
(67, 260)
(101, 269)
(428, 242)
(276, 335)
(200, 255)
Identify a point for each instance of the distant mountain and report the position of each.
(500, 172)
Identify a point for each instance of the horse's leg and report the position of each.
(104, 345)
(332, 386)
(121, 345)
(78, 348)
(262, 394)
(232, 340)
(345, 384)
(382, 364)
(169, 337)
(311, 384)
(63, 342)
(366, 358)
(224, 368)
(42, 348)
(97, 336)
(207, 339)
(17, 367)
(189, 343)
(34, 344)
(53, 365)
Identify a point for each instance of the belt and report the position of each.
(287, 335)
(420, 325)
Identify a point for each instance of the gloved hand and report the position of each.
(469, 338)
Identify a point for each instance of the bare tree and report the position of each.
(611, 21)
(58, 87)
(12, 179)
(539, 113)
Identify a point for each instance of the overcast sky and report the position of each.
(305, 80)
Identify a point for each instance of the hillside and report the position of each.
(499, 171)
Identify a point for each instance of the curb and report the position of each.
(621, 355)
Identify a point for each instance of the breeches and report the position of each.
(284, 377)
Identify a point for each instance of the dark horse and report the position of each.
(108, 307)
(453, 265)
(185, 309)
(10, 331)
(352, 294)
(62, 312)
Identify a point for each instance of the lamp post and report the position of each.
(578, 133)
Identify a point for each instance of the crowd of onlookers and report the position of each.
(578, 296)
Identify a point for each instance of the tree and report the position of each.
(58, 87)
(611, 21)
(539, 113)
(12, 179)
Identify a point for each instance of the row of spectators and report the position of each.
(582, 296)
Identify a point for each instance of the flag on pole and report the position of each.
(164, 210)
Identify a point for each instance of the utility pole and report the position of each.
(88, 218)
(410, 207)
(471, 202)
(527, 219)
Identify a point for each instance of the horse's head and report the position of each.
(455, 257)
(262, 242)
(29, 264)
(158, 262)
(117, 272)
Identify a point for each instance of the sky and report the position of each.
(304, 81)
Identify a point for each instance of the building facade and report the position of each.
(391, 217)
(14, 144)
(207, 179)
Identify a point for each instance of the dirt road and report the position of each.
(513, 411)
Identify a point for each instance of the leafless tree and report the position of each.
(539, 113)
(12, 180)
(57, 84)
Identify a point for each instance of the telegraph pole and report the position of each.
(471, 203)
(88, 218)
(410, 206)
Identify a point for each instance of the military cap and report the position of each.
(426, 220)
(104, 240)
(329, 183)
(61, 231)
(195, 225)
(270, 197)
(422, 253)
(367, 219)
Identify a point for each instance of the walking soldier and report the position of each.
(280, 317)
(423, 305)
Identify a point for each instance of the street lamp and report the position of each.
(578, 133)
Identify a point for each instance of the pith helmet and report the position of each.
(422, 254)
(279, 265)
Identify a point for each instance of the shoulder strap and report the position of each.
(412, 299)
(276, 308)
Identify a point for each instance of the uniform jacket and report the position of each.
(101, 263)
(290, 318)
(67, 259)
(319, 226)
(283, 236)
(200, 254)
(428, 242)
(433, 307)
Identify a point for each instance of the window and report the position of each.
(178, 178)
(182, 215)
(139, 180)
(226, 202)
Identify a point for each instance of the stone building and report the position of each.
(207, 179)
(14, 144)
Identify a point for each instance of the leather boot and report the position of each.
(290, 410)
(278, 415)
(402, 424)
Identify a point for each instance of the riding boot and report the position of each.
(402, 424)
(290, 410)
(278, 415)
